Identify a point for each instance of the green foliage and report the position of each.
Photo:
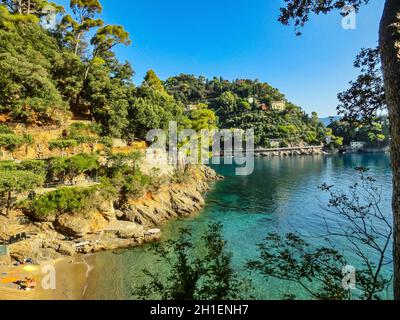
(153, 108)
(28, 91)
(69, 168)
(68, 200)
(107, 83)
(133, 186)
(374, 133)
(58, 168)
(64, 200)
(151, 80)
(190, 276)
(78, 129)
(299, 12)
(293, 259)
(74, 30)
(37, 167)
(109, 98)
(62, 144)
(28, 139)
(11, 141)
(107, 141)
(84, 133)
(18, 182)
(186, 88)
(108, 37)
(203, 119)
(336, 142)
(25, 7)
(123, 164)
(68, 70)
(61, 201)
(239, 104)
(44, 75)
(180, 175)
(5, 130)
(365, 98)
(8, 165)
(157, 180)
(125, 174)
(85, 139)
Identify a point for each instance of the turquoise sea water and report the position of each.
(282, 195)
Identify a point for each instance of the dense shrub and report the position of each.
(106, 141)
(69, 168)
(124, 164)
(4, 129)
(85, 139)
(133, 186)
(180, 175)
(62, 144)
(28, 92)
(156, 180)
(11, 141)
(38, 167)
(84, 133)
(18, 181)
(14, 181)
(64, 200)
(68, 200)
(8, 165)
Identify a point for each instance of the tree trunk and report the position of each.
(19, 4)
(8, 203)
(77, 44)
(86, 76)
(390, 52)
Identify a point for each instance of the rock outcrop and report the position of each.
(104, 228)
(78, 225)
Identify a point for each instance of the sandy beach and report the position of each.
(71, 280)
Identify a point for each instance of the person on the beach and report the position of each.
(26, 284)
(31, 284)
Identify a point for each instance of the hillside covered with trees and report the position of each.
(50, 74)
(374, 135)
(249, 104)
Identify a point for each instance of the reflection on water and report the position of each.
(281, 195)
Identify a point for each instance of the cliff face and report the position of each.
(104, 228)
(175, 200)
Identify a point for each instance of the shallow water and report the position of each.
(282, 195)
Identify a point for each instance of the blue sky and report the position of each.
(242, 39)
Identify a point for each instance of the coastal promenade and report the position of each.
(286, 151)
(312, 148)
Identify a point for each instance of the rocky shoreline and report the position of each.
(105, 228)
(291, 153)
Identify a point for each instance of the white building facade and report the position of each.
(357, 145)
